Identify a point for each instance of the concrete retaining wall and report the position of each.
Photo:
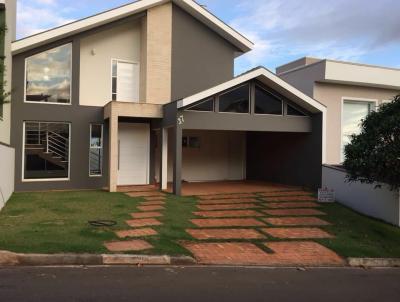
(6, 174)
(380, 203)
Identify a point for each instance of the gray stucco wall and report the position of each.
(80, 118)
(200, 57)
(288, 158)
(380, 203)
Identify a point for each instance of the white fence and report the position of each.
(380, 203)
(6, 174)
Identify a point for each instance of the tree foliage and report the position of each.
(373, 156)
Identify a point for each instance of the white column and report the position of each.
(113, 152)
(164, 158)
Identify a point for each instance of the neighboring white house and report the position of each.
(8, 18)
(349, 91)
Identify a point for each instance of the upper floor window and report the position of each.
(48, 76)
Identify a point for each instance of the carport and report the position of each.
(255, 127)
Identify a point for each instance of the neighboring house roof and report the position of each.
(190, 6)
(268, 78)
(341, 72)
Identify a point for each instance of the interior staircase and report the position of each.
(47, 144)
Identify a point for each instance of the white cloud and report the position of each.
(340, 29)
(37, 15)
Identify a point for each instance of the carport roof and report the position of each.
(266, 77)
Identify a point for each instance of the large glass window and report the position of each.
(96, 150)
(48, 76)
(235, 100)
(353, 113)
(46, 150)
(266, 102)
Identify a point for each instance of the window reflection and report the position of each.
(48, 76)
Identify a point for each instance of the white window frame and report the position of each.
(23, 154)
(351, 99)
(111, 76)
(70, 88)
(101, 147)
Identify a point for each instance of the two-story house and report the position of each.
(144, 94)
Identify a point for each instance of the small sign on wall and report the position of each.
(326, 195)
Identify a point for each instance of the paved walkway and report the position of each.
(277, 227)
(140, 226)
(267, 228)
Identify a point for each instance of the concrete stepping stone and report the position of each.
(126, 246)
(145, 194)
(296, 204)
(227, 206)
(293, 221)
(136, 233)
(232, 213)
(204, 234)
(139, 188)
(297, 233)
(294, 212)
(226, 196)
(143, 222)
(286, 193)
(146, 214)
(150, 208)
(290, 198)
(227, 222)
(228, 201)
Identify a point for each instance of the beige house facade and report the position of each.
(349, 91)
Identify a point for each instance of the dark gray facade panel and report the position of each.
(200, 57)
(80, 118)
(287, 158)
(245, 122)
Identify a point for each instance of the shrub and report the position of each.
(374, 154)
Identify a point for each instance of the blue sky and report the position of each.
(283, 30)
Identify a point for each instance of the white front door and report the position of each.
(133, 157)
(127, 82)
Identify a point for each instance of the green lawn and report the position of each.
(54, 222)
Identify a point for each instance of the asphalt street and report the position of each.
(209, 284)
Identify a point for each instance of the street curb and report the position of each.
(374, 262)
(15, 259)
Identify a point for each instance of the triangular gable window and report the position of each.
(293, 111)
(207, 105)
(266, 102)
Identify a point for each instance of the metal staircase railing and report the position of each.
(51, 142)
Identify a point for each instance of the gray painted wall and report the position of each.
(80, 118)
(6, 173)
(200, 58)
(288, 158)
(380, 203)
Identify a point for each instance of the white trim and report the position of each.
(70, 86)
(355, 100)
(196, 10)
(259, 72)
(23, 154)
(101, 148)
